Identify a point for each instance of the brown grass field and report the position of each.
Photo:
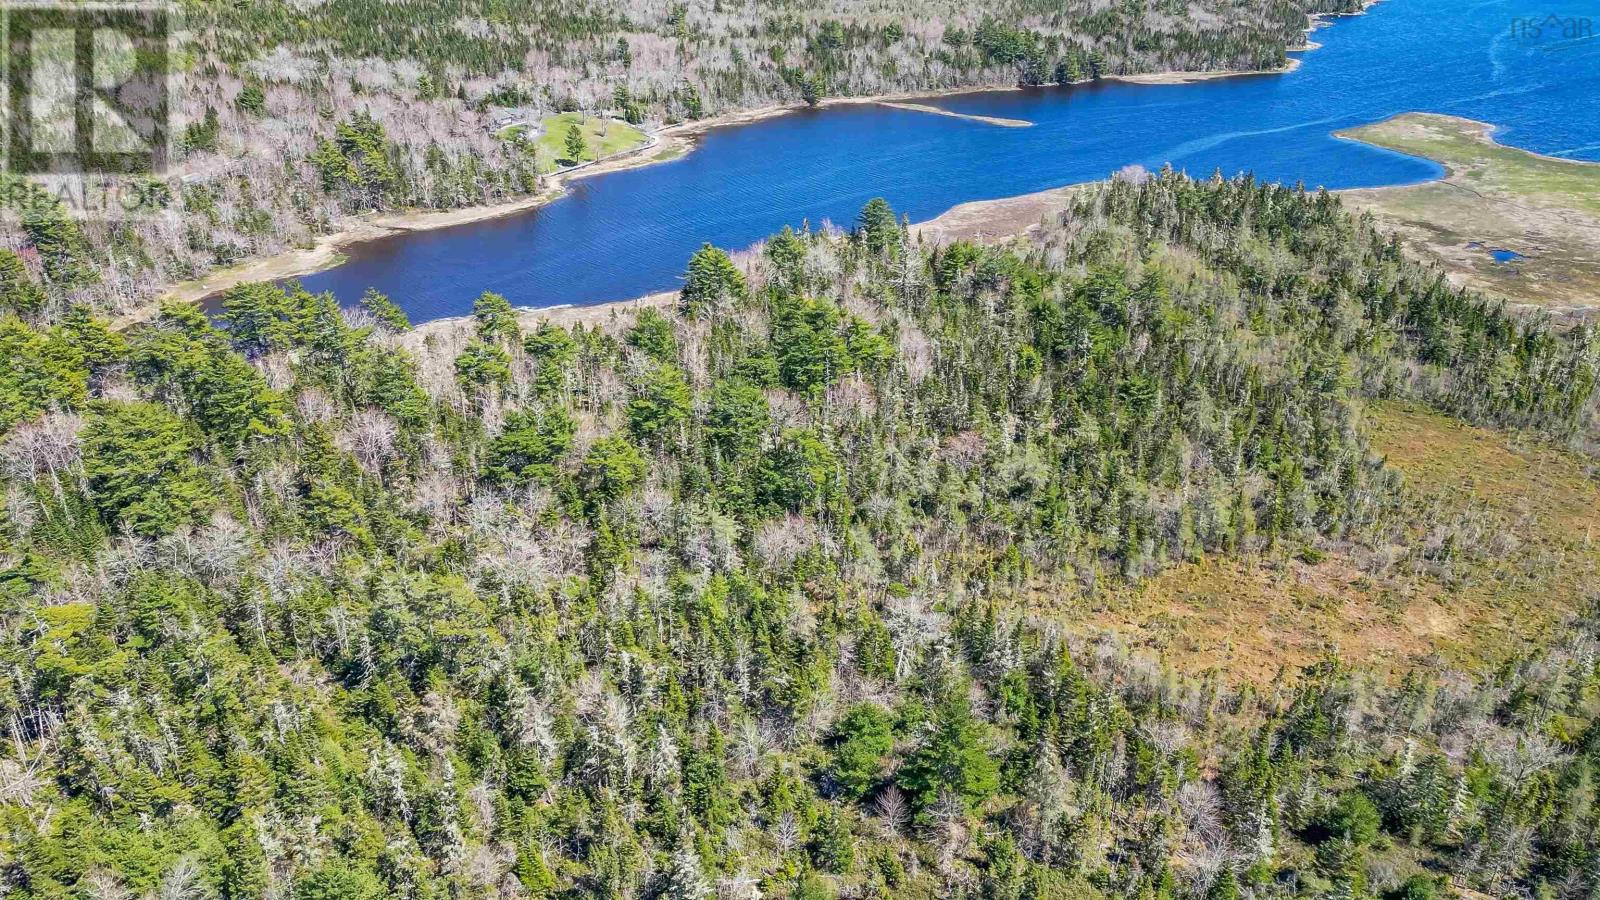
(1534, 508)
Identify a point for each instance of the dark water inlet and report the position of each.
(629, 233)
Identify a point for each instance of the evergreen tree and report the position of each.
(482, 366)
(711, 284)
(1224, 887)
(800, 473)
(652, 333)
(389, 315)
(951, 759)
(41, 371)
(496, 320)
(18, 293)
(877, 227)
(252, 99)
(356, 163)
(338, 882)
(575, 145)
(860, 742)
(530, 447)
(612, 468)
(737, 418)
(812, 89)
(662, 405)
(812, 353)
(138, 461)
(59, 241)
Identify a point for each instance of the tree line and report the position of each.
(750, 595)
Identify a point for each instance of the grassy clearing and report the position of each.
(1468, 149)
(1542, 503)
(602, 136)
(1495, 196)
(1252, 619)
(1528, 516)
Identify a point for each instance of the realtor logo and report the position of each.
(86, 88)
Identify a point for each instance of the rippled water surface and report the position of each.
(629, 233)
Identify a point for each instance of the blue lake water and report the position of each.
(629, 233)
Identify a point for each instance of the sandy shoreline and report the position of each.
(670, 142)
(561, 316)
(327, 252)
(950, 113)
(978, 220)
(1192, 77)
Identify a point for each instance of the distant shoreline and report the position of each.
(669, 142)
(1492, 196)
(1003, 218)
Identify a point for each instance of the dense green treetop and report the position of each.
(766, 594)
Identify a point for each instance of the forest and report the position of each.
(289, 118)
(758, 594)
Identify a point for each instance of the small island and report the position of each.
(1506, 221)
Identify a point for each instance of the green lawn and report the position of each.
(603, 137)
